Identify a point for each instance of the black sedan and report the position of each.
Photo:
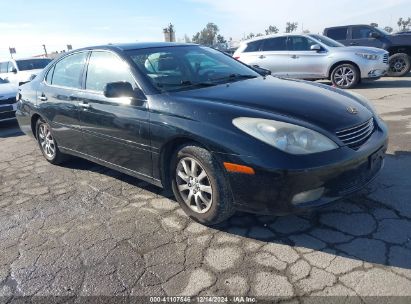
(218, 133)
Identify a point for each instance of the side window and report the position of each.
(339, 33)
(361, 32)
(3, 67)
(10, 67)
(49, 75)
(253, 46)
(299, 43)
(275, 44)
(67, 72)
(105, 67)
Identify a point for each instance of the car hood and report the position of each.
(8, 90)
(317, 104)
(360, 49)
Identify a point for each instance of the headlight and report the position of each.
(287, 137)
(368, 56)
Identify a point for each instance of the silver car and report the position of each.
(314, 57)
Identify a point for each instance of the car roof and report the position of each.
(136, 45)
(330, 27)
(273, 36)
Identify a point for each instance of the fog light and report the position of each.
(307, 196)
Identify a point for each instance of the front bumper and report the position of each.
(373, 69)
(8, 109)
(272, 191)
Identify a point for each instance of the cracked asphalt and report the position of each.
(82, 229)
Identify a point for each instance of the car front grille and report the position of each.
(355, 136)
(385, 58)
(11, 100)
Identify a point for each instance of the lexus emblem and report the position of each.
(352, 110)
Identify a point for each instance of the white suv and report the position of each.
(22, 70)
(314, 57)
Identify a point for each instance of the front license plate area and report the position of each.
(376, 158)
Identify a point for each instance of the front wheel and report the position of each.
(47, 143)
(399, 65)
(200, 186)
(345, 76)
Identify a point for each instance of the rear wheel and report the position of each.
(345, 76)
(199, 185)
(48, 145)
(399, 65)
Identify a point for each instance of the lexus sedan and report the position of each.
(195, 121)
(314, 57)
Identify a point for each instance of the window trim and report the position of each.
(55, 63)
(85, 71)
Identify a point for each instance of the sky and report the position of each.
(28, 24)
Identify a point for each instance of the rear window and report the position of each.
(339, 33)
(32, 64)
(253, 46)
(275, 44)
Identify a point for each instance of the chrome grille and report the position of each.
(8, 101)
(385, 58)
(355, 136)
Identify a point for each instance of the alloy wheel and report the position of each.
(46, 141)
(398, 65)
(194, 185)
(344, 76)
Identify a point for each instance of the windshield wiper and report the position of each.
(235, 77)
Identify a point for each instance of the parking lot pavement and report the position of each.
(82, 229)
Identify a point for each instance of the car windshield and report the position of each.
(180, 68)
(327, 41)
(32, 64)
(383, 32)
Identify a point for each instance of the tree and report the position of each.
(249, 36)
(259, 35)
(388, 29)
(404, 24)
(186, 38)
(373, 24)
(221, 39)
(207, 36)
(291, 27)
(271, 30)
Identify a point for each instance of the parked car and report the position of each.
(22, 70)
(194, 120)
(398, 45)
(313, 57)
(8, 101)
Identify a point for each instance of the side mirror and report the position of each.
(315, 47)
(14, 71)
(261, 71)
(374, 35)
(122, 89)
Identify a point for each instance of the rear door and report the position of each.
(58, 98)
(338, 33)
(116, 130)
(306, 63)
(360, 35)
(274, 56)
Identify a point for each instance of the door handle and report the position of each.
(43, 97)
(294, 56)
(261, 56)
(84, 105)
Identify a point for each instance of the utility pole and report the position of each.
(45, 50)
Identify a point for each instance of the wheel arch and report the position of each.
(168, 150)
(331, 69)
(33, 121)
(400, 49)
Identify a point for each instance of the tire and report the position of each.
(400, 65)
(47, 144)
(220, 206)
(345, 76)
